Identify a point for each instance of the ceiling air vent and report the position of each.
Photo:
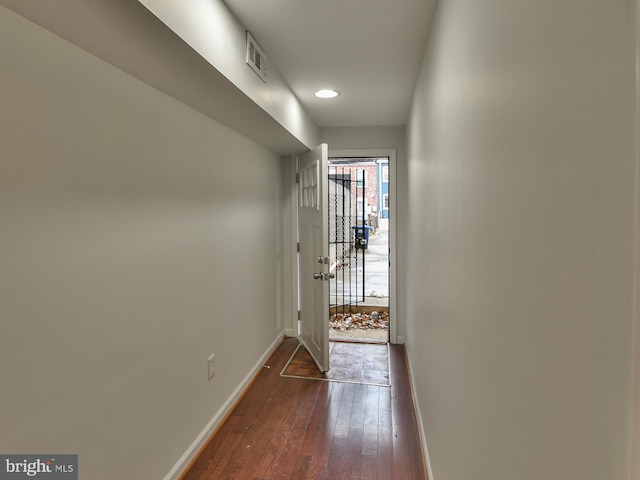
(256, 58)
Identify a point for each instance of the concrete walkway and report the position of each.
(377, 266)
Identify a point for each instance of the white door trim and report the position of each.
(292, 292)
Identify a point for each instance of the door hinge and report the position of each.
(298, 247)
(299, 315)
(297, 178)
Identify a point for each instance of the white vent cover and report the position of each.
(256, 58)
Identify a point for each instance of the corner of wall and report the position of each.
(289, 239)
(416, 405)
(195, 449)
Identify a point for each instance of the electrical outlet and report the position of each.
(211, 362)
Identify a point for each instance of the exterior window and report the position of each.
(360, 178)
(385, 174)
(385, 200)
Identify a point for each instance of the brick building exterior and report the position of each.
(364, 183)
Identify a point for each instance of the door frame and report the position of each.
(291, 290)
(291, 232)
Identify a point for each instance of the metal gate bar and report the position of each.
(346, 230)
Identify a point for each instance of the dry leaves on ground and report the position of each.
(364, 321)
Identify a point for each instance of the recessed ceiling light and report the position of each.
(327, 94)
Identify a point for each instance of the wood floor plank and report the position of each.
(262, 469)
(317, 419)
(266, 377)
(404, 454)
(309, 392)
(255, 453)
(308, 429)
(294, 415)
(385, 465)
(285, 461)
(369, 457)
(339, 451)
(242, 453)
(356, 431)
(323, 440)
(301, 467)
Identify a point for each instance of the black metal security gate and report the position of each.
(348, 236)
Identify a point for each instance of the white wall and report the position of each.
(521, 239)
(127, 35)
(635, 421)
(137, 237)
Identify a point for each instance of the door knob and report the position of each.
(318, 276)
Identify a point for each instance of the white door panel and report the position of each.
(314, 250)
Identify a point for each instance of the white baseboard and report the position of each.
(416, 406)
(288, 332)
(220, 415)
(400, 340)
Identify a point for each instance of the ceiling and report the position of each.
(368, 50)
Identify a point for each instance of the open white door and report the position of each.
(313, 222)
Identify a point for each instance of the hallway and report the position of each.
(149, 224)
(298, 428)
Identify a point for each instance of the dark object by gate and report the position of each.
(362, 236)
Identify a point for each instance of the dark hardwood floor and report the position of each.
(297, 428)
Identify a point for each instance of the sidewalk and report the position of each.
(377, 266)
(376, 273)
